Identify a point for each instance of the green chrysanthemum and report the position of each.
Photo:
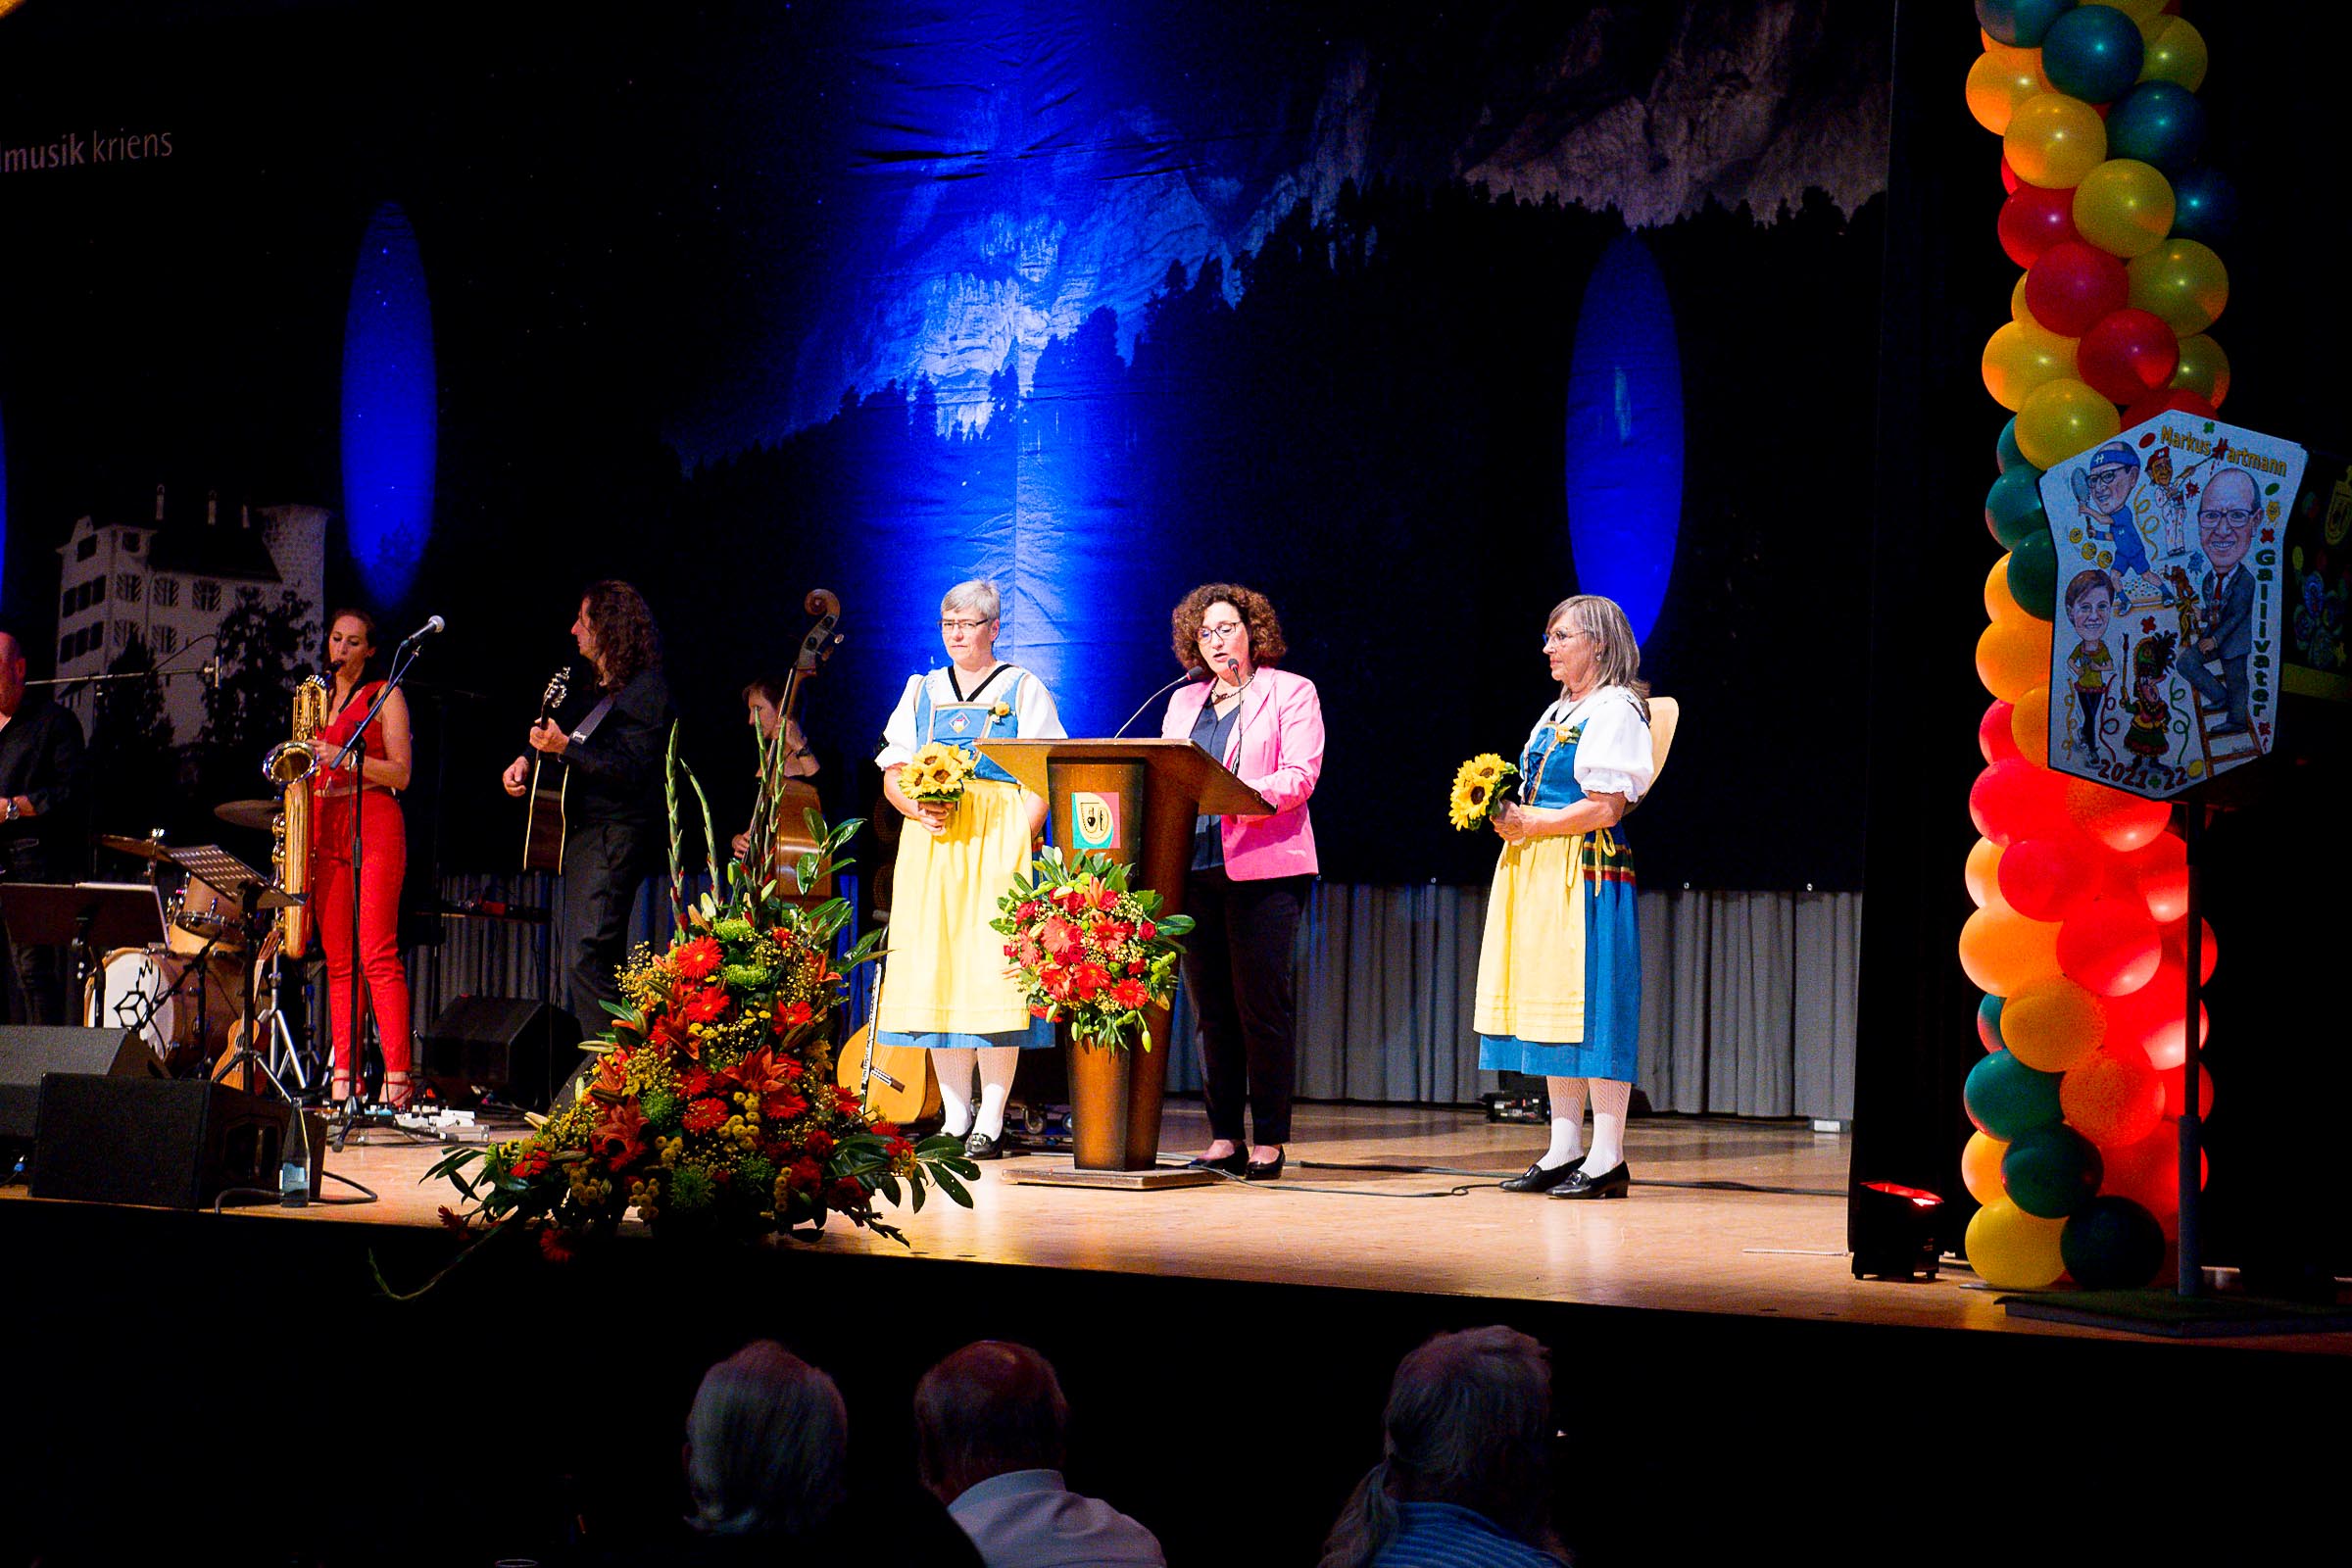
(690, 1190)
(661, 1110)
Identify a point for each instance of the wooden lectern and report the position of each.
(1134, 800)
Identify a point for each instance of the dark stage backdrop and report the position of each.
(736, 299)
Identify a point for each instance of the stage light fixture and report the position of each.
(1896, 1230)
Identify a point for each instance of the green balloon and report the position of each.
(2112, 1244)
(2013, 507)
(2007, 453)
(1989, 1024)
(2034, 576)
(2005, 1098)
(2052, 1172)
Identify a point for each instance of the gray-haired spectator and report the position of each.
(767, 1441)
(991, 1427)
(1465, 1481)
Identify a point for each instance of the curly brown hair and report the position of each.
(626, 639)
(1264, 627)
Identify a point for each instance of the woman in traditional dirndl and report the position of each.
(944, 986)
(1559, 972)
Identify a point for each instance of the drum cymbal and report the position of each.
(144, 849)
(255, 815)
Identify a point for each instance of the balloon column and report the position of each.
(2078, 939)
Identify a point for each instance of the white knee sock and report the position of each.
(954, 1068)
(1567, 1123)
(1610, 1100)
(997, 1066)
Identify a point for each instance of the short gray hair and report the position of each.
(974, 596)
(767, 1438)
(1604, 621)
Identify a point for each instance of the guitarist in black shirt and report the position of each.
(615, 834)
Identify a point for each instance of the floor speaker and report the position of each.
(516, 1049)
(171, 1143)
(30, 1052)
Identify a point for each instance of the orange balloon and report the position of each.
(2030, 726)
(2020, 360)
(2052, 1025)
(2111, 1096)
(2003, 952)
(1999, 603)
(2013, 657)
(2018, 311)
(2061, 419)
(1983, 875)
(2002, 78)
(2053, 140)
(2116, 820)
(1980, 1168)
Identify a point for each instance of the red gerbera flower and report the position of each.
(531, 1162)
(1130, 994)
(886, 1129)
(820, 1142)
(698, 959)
(706, 1007)
(793, 1014)
(552, 1246)
(697, 1083)
(900, 1147)
(705, 1114)
(1059, 936)
(846, 1100)
(1110, 933)
(1090, 978)
(783, 1108)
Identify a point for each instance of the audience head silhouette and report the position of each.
(765, 1441)
(990, 1409)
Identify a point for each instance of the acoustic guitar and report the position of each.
(543, 824)
(894, 1082)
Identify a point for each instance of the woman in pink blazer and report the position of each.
(1249, 874)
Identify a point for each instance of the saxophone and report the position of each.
(289, 766)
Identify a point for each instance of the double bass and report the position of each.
(780, 834)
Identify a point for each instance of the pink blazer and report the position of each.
(1277, 750)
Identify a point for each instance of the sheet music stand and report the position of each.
(86, 918)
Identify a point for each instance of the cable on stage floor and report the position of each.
(346, 1202)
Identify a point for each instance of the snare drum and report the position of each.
(185, 1015)
(199, 913)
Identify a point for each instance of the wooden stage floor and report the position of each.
(1734, 1217)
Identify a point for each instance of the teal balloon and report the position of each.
(1989, 1024)
(2112, 1244)
(2204, 205)
(2052, 1172)
(2092, 53)
(2007, 1099)
(2159, 123)
(2034, 576)
(2013, 507)
(2007, 453)
(2022, 22)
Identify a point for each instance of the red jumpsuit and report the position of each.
(384, 862)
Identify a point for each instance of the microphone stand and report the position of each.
(357, 747)
(1195, 672)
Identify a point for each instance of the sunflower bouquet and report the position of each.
(1086, 948)
(936, 773)
(1480, 787)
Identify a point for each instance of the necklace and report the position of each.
(1221, 698)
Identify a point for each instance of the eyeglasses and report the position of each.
(2232, 518)
(1219, 632)
(963, 625)
(1552, 637)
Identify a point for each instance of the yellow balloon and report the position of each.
(1984, 873)
(2019, 312)
(2138, 10)
(2018, 358)
(2181, 280)
(2014, 1251)
(2013, 657)
(2003, 953)
(1980, 1168)
(2174, 53)
(2061, 419)
(2204, 370)
(2002, 78)
(2029, 724)
(2053, 1024)
(2054, 140)
(2124, 206)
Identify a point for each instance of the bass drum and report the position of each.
(184, 1013)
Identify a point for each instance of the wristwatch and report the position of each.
(12, 813)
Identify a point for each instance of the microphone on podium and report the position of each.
(1193, 672)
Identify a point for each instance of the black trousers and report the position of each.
(604, 863)
(1237, 964)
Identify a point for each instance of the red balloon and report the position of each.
(2014, 800)
(2072, 285)
(2176, 950)
(2129, 355)
(2148, 408)
(2119, 820)
(2148, 1172)
(2009, 179)
(2176, 1096)
(2112, 1098)
(2160, 870)
(2150, 1017)
(2049, 879)
(1993, 734)
(2109, 947)
(2034, 218)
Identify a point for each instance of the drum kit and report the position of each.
(185, 995)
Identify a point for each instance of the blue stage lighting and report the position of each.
(390, 409)
(1625, 434)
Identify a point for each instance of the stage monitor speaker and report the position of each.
(517, 1048)
(171, 1143)
(30, 1052)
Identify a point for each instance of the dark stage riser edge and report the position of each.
(209, 1379)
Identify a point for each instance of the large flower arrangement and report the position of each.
(1087, 948)
(713, 1110)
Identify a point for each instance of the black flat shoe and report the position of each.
(1537, 1178)
(1267, 1171)
(1236, 1163)
(982, 1146)
(1610, 1183)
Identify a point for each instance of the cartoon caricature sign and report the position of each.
(2165, 655)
